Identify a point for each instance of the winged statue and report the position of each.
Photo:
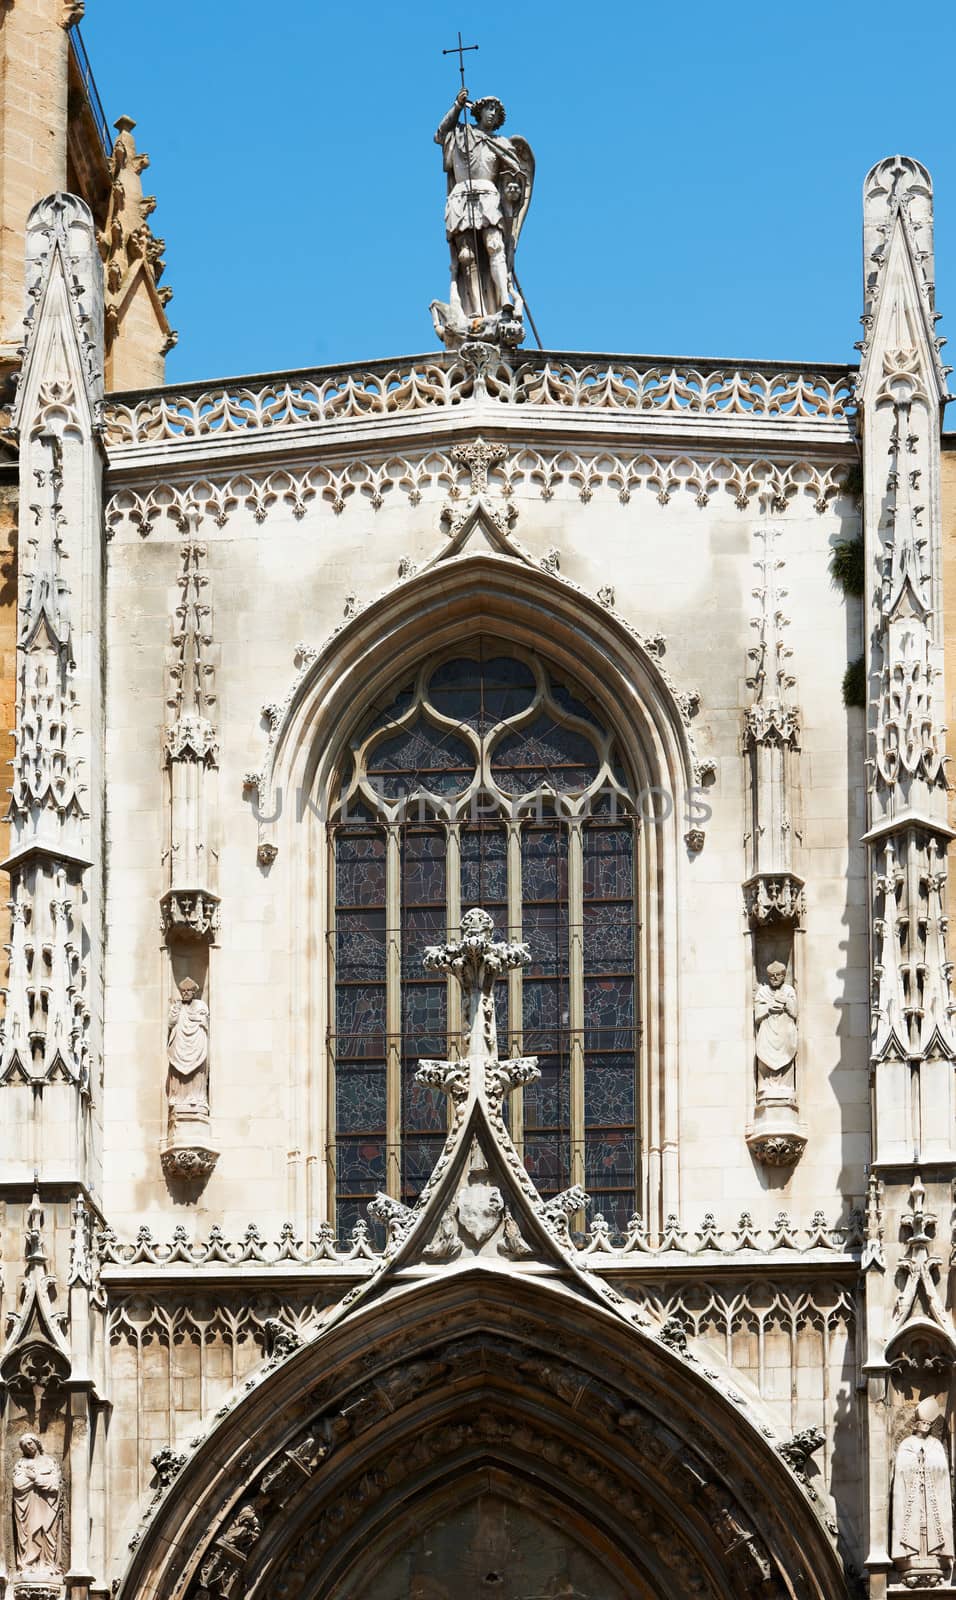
(490, 179)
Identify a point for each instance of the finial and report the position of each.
(478, 960)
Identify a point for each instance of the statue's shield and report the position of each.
(480, 1209)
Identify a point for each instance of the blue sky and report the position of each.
(699, 166)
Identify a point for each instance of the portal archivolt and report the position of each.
(477, 1383)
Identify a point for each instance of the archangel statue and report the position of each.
(490, 179)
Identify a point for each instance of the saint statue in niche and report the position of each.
(37, 1510)
(187, 1051)
(922, 1541)
(775, 1016)
(489, 190)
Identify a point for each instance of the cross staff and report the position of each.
(459, 51)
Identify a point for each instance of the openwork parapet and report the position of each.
(433, 383)
(291, 1249)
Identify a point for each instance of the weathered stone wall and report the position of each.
(33, 135)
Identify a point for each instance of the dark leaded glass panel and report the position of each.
(423, 867)
(609, 1092)
(484, 867)
(545, 1008)
(546, 1159)
(609, 863)
(424, 915)
(609, 1174)
(360, 1018)
(547, 1103)
(481, 694)
(609, 938)
(608, 1013)
(545, 930)
(419, 1155)
(610, 1020)
(360, 867)
(360, 946)
(424, 1109)
(421, 757)
(360, 1165)
(544, 862)
(391, 712)
(359, 1098)
(544, 752)
(425, 1018)
(576, 706)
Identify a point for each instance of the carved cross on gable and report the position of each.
(478, 457)
(478, 960)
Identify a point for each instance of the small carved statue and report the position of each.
(922, 1535)
(37, 1510)
(187, 1051)
(489, 190)
(222, 1568)
(775, 1016)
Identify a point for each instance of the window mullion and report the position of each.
(393, 1010)
(515, 1034)
(576, 993)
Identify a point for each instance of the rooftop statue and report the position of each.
(490, 179)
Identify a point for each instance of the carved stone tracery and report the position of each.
(385, 390)
(557, 475)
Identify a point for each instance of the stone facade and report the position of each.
(381, 733)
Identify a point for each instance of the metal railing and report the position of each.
(89, 85)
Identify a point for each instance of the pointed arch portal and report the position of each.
(482, 1361)
(484, 1405)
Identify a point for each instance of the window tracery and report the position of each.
(490, 779)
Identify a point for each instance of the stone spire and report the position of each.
(138, 335)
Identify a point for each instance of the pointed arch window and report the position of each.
(490, 779)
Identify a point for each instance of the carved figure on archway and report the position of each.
(37, 1510)
(187, 1051)
(922, 1533)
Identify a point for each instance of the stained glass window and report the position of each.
(489, 778)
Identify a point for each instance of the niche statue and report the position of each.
(922, 1534)
(187, 1051)
(37, 1510)
(775, 1015)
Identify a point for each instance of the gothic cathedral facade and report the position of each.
(477, 1060)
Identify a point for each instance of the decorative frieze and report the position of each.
(292, 1249)
(562, 474)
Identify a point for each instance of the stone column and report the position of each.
(911, 1343)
